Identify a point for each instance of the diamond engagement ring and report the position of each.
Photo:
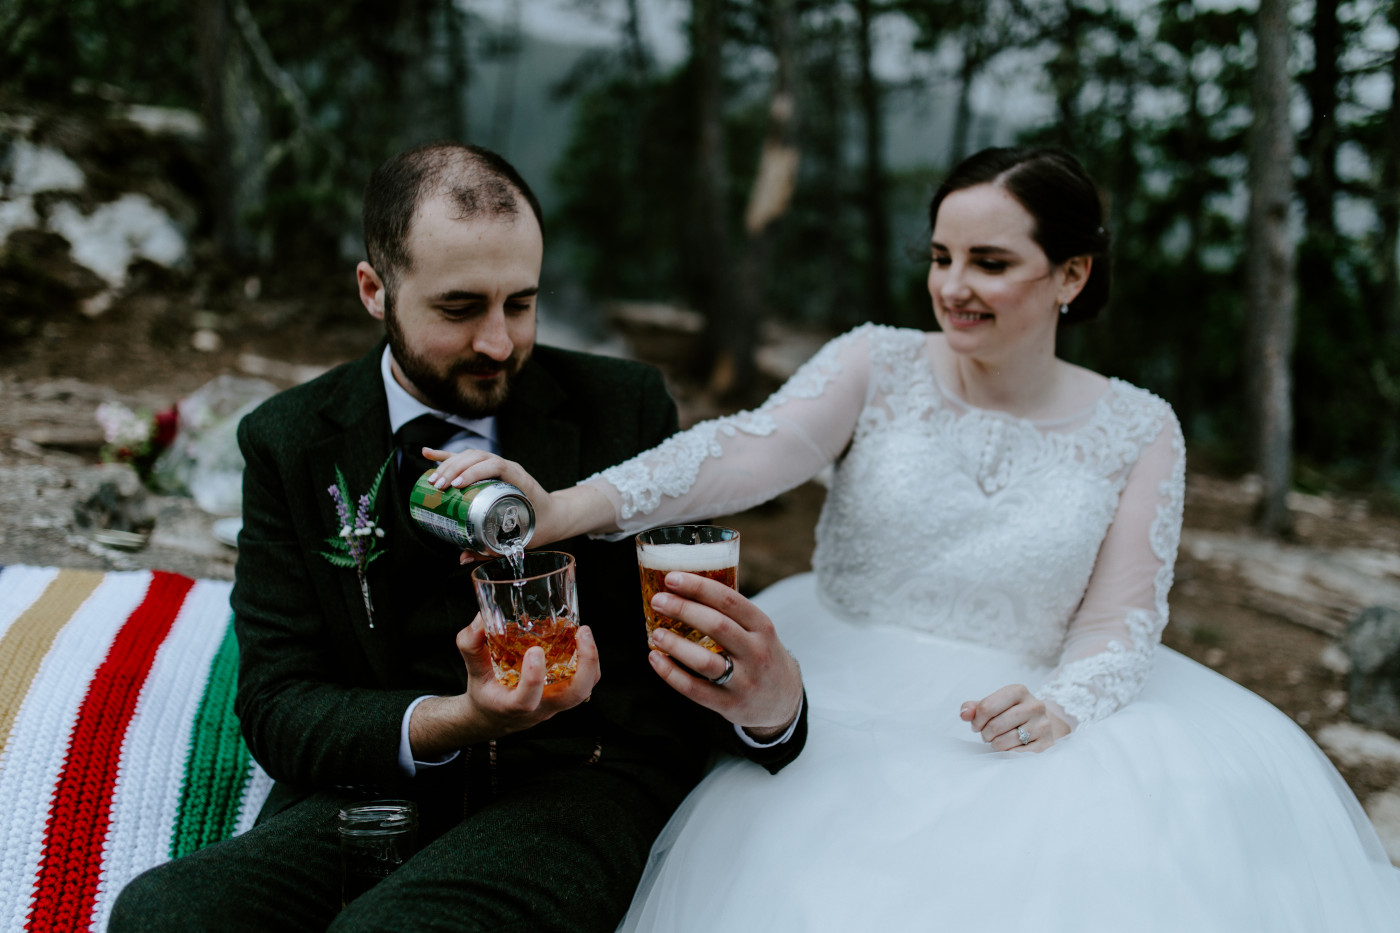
(723, 679)
(1021, 732)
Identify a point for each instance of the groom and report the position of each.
(537, 805)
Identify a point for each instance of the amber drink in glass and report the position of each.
(705, 550)
(535, 604)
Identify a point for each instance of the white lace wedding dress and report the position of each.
(960, 551)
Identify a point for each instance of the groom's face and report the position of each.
(461, 318)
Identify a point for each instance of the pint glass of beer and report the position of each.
(535, 603)
(708, 550)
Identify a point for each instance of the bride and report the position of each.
(990, 579)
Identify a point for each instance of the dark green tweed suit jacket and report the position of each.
(322, 695)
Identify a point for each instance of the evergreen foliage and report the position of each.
(1153, 96)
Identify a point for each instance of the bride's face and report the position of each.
(993, 287)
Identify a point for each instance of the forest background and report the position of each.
(773, 165)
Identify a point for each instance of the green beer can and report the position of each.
(489, 517)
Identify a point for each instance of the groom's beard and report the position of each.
(457, 387)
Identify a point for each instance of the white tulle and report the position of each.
(1197, 807)
(961, 550)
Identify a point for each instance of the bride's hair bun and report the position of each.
(1056, 191)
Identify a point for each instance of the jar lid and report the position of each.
(378, 818)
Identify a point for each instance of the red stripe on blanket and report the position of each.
(65, 894)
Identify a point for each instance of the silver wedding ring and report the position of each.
(723, 679)
(1023, 735)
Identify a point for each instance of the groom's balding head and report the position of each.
(475, 182)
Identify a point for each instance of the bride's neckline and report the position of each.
(947, 392)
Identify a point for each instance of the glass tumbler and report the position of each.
(533, 604)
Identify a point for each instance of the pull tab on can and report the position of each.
(489, 517)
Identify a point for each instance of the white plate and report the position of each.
(226, 530)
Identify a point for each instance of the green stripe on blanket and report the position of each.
(212, 791)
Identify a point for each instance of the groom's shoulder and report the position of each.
(291, 411)
(594, 373)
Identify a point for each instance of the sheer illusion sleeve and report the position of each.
(733, 463)
(1110, 642)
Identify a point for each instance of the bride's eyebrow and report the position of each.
(979, 251)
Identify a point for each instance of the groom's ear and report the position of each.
(372, 290)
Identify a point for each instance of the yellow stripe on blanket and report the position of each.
(28, 640)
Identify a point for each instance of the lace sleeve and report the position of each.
(1111, 640)
(733, 463)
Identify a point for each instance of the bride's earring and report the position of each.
(1064, 307)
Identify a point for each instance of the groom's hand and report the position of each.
(764, 693)
(489, 709)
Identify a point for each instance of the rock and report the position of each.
(72, 232)
(285, 373)
(1334, 659)
(1384, 811)
(1355, 745)
(118, 504)
(116, 234)
(1372, 643)
(36, 169)
(206, 341)
(42, 503)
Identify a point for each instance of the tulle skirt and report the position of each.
(1197, 807)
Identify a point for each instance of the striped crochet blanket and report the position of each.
(118, 744)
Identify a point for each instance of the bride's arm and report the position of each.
(717, 467)
(1110, 643)
(733, 463)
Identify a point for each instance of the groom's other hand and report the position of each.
(763, 695)
(489, 709)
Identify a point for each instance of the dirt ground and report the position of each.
(1226, 612)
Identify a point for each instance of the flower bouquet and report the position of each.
(136, 437)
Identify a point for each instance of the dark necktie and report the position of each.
(423, 431)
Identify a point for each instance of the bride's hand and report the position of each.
(472, 466)
(1012, 719)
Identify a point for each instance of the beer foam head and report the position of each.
(692, 558)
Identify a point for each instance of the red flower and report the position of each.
(166, 424)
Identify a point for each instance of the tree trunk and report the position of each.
(712, 197)
(459, 73)
(427, 106)
(503, 113)
(824, 136)
(638, 61)
(1067, 75)
(877, 224)
(769, 200)
(236, 134)
(1388, 320)
(1319, 186)
(1269, 269)
(962, 111)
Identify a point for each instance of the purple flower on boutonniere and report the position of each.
(357, 542)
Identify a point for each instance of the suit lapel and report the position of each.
(359, 444)
(533, 435)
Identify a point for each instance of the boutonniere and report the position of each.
(357, 542)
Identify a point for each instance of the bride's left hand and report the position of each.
(999, 716)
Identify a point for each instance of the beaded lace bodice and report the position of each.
(1055, 540)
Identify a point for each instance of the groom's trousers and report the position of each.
(562, 849)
